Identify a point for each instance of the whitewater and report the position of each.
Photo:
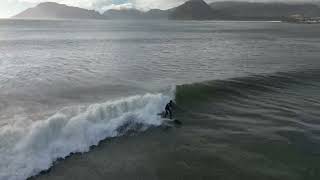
(27, 149)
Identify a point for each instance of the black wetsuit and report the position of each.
(168, 110)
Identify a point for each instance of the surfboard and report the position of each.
(169, 121)
(172, 121)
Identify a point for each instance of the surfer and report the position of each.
(168, 109)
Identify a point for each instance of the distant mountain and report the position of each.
(193, 10)
(123, 14)
(190, 10)
(135, 14)
(50, 10)
(262, 11)
(156, 14)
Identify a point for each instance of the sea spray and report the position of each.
(29, 149)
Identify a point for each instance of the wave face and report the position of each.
(256, 120)
(29, 149)
(291, 83)
(262, 105)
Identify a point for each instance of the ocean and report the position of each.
(79, 99)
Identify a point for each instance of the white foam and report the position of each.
(26, 150)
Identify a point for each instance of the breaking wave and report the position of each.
(274, 100)
(26, 150)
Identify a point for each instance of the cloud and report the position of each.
(156, 4)
(101, 5)
(116, 6)
(88, 4)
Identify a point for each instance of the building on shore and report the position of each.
(298, 18)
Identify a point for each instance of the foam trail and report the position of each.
(27, 150)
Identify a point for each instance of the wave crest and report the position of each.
(74, 129)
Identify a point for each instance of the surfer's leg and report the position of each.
(166, 113)
(170, 112)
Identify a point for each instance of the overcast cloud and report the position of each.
(12, 7)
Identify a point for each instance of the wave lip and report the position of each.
(74, 129)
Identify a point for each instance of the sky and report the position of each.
(9, 8)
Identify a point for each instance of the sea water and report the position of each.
(247, 92)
